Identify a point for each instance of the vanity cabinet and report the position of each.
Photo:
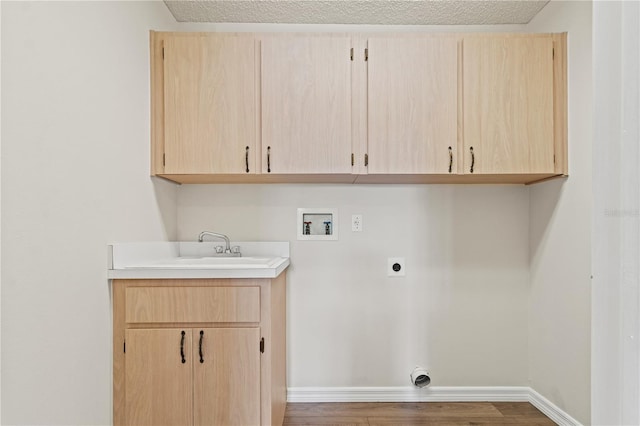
(210, 375)
(199, 351)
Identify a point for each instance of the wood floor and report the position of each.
(415, 413)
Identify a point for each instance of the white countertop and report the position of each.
(171, 260)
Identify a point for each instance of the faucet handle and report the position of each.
(219, 249)
(235, 249)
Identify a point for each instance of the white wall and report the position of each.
(616, 224)
(560, 236)
(460, 311)
(75, 176)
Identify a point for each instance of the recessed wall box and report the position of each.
(317, 224)
(396, 267)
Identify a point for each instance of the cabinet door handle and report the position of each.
(450, 159)
(473, 159)
(200, 346)
(268, 159)
(182, 347)
(246, 159)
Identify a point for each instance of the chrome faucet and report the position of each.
(227, 249)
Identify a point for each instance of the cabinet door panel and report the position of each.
(158, 385)
(508, 105)
(227, 381)
(306, 104)
(412, 105)
(209, 104)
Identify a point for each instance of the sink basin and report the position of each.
(212, 263)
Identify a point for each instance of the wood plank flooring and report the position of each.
(415, 413)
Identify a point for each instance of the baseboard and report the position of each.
(408, 394)
(551, 410)
(433, 394)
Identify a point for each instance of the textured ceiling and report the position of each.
(388, 12)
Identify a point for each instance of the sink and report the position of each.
(212, 263)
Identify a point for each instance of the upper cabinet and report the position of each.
(306, 104)
(209, 104)
(378, 108)
(508, 105)
(412, 105)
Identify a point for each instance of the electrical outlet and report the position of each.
(395, 267)
(356, 223)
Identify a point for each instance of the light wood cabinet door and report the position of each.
(158, 384)
(306, 104)
(508, 105)
(412, 105)
(209, 104)
(226, 376)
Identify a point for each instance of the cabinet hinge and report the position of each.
(124, 346)
(162, 52)
(554, 159)
(164, 162)
(352, 53)
(262, 345)
(366, 54)
(366, 160)
(553, 53)
(352, 159)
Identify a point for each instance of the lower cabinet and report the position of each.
(226, 377)
(214, 370)
(199, 352)
(159, 387)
